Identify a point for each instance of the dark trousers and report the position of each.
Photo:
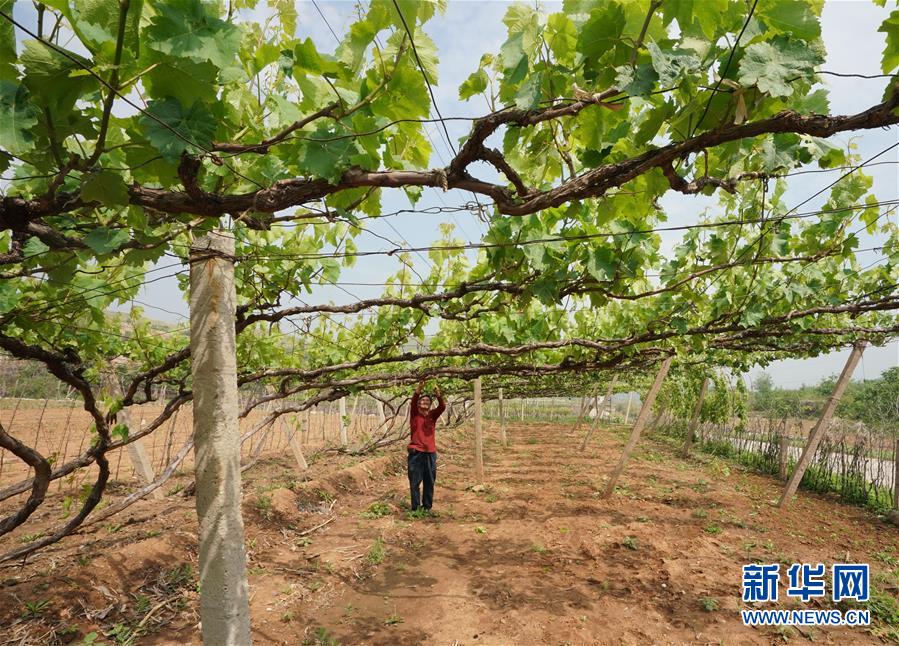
(422, 474)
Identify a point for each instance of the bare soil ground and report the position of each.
(535, 558)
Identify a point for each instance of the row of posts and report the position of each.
(224, 598)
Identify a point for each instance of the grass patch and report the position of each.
(709, 604)
(631, 543)
(376, 553)
(393, 619)
(321, 637)
(34, 609)
(377, 509)
(263, 505)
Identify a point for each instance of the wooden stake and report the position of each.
(694, 421)
(818, 431)
(478, 436)
(638, 426)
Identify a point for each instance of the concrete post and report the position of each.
(783, 453)
(342, 413)
(137, 451)
(295, 446)
(645, 410)
(596, 405)
(694, 421)
(478, 434)
(893, 515)
(627, 412)
(224, 605)
(896, 477)
(583, 412)
(818, 431)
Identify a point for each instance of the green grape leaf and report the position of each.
(106, 187)
(34, 247)
(672, 65)
(120, 431)
(601, 32)
(7, 43)
(528, 94)
(9, 296)
(796, 17)
(104, 240)
(17, 117)
(474, 84)
(514, 60)
(96, 24)
(638, 81)
(55, 78)
(602, 264)
(186, 29)
(175, 130)
(182, 79)
(890, 27)
(329, 159)
(774, 64)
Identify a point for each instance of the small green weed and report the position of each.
(712, 528)
(376, 553)
(377, 509)
(709, 604)
(321, 637)
(630, 542)
(264, 506)
(33, 609)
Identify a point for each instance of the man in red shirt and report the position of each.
(422, 463)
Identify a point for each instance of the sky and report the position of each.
(470, 28)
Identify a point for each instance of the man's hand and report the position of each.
(419, 387)
(437, 390)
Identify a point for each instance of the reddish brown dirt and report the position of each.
(537, 558)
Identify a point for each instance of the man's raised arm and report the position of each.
(413, 405)
(441, 404)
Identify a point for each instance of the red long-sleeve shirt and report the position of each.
(422, 426)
